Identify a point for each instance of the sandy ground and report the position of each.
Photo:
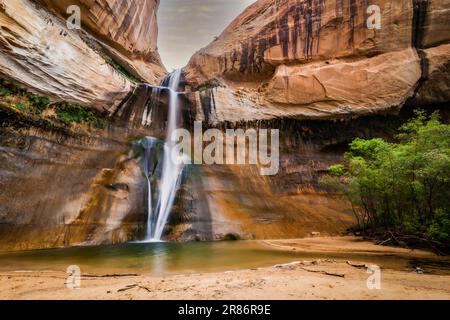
(316, 279)
(347, 244)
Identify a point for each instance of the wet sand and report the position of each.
(313, 279)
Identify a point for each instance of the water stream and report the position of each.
(171, 171)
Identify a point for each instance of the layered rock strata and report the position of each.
(86, 66)
(128, 30)
(324, 59)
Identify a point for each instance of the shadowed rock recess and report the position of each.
(310, 68)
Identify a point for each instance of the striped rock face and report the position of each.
(85, 65)
(326, 59)
(128, 28)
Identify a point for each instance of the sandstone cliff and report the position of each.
(299, 59)
(128, 30)
(63, 187)
(67, 183)
(38, 50)
(319, 59)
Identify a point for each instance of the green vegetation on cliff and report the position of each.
(401, 190)
(12, 96)
(123, 71)
(212, 84)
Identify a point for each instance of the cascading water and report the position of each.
(149, 165)
(171, 171)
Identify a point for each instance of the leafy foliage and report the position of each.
(124, 72)
(39, 103)
(69, 112)
(20, 99)
(8, 88)
(402, 187)
(337, 170)
(212, 84)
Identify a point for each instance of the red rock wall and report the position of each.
(319, 59)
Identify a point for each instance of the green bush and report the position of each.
(69, 112)
(8, 88)
(4, 91)
(405, 186)
(337, 170)
(332, 183)
(22, 107)
(13, 96)
(40, 103)
(440, 227)
(124, 72)
(207, 85)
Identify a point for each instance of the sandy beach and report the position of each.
(314, 279)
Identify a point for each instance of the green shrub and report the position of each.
(207, 85)
(40, 103)
(13, 96)
(337, 170)
(8, 88)
(332, 183)
(124, 72)
(4, 92)
(440, 227)
(22, 107)
(404, 186)
(69, 112)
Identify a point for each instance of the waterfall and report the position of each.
(148, 166)
(171, 172)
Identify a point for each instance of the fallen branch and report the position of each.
(145, 288)
(111, 275)
(410, 241)
(433, 245)
(384, 241)
(359, 266)
(340, 275)
(129, 287)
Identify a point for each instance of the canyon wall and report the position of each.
(319, 59)
(83, 66)
(310, 68)
(235, 202)
(64, 187)
(128, 30)
(314, 70)
(73, 184)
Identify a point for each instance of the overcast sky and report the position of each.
(185, 26)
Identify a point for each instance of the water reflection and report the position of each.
(168, 258)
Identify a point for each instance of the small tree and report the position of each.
(402, 187)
